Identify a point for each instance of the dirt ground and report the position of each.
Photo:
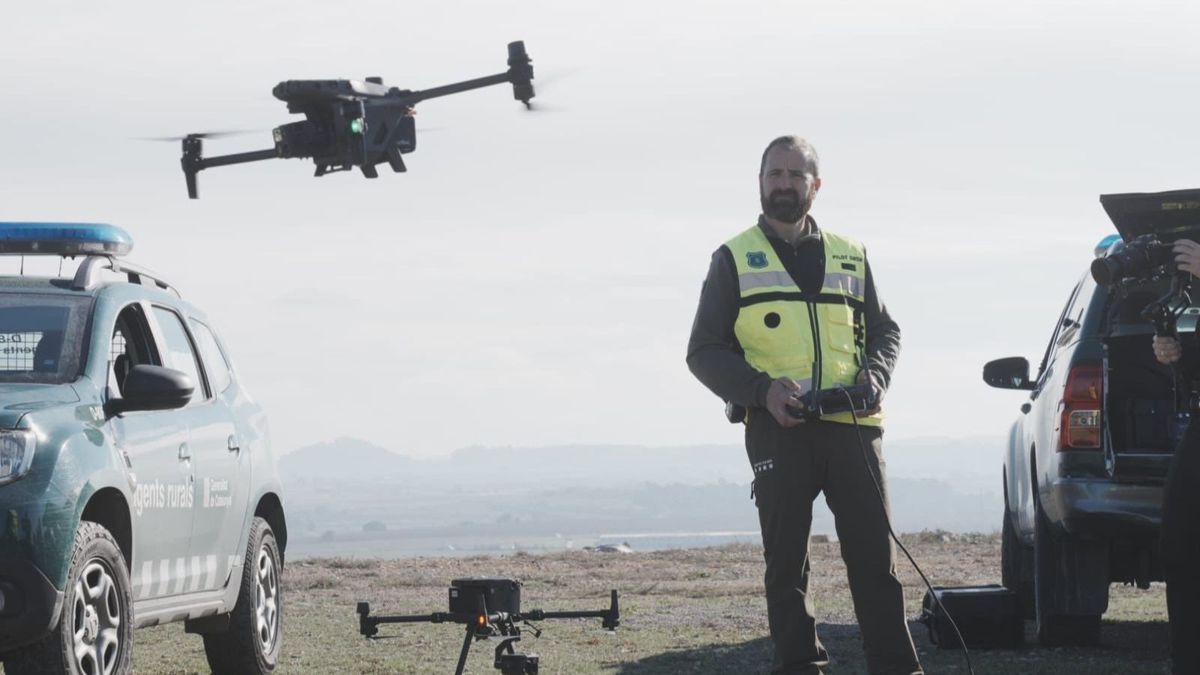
(685, 611)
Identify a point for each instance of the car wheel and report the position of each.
(1053, 628)
(251, 645)
(94, 635)
(1016, 563)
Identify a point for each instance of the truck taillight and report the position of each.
(1081, 406)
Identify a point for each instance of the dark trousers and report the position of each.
(1180, 541)
(791, 467)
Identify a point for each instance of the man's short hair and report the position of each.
(793, 143)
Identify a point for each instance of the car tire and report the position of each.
(251, 644)
(1016, 564)
(1055, 629)
(94, 634)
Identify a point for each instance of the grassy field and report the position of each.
(687, 611)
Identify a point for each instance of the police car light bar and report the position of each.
(63, 239)
(1105, 244)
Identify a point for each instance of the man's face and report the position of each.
(787, 186)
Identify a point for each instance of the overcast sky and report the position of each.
(532, 279)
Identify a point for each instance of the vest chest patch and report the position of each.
(850, 267)
(756, 259)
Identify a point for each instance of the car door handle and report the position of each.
(185, 452)
(233, 444)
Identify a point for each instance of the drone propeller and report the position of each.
(551, 80)
(539, 107)
(202, 134)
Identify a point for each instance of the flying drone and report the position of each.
(352, 123)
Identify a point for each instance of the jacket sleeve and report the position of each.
(883, 336)
(714, 355)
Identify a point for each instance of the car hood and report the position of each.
(18, 399)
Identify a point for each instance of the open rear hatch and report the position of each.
(1167, 215)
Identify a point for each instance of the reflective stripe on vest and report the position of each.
(777, 322)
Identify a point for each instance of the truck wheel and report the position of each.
(1015, 564)
(94, 635)
(1054, 628)
(251, 645)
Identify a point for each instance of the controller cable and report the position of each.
(883, 503)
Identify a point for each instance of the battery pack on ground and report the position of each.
(987, 616)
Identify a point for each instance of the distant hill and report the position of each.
(968, 465)
(478, 494)
(343, 459)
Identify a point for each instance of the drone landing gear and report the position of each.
(508, 661)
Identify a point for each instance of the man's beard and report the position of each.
(785, 205)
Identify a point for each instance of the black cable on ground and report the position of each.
(883, 504)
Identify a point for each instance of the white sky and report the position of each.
(532, 279)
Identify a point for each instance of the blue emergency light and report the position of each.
(1106, 243)
(63, 239)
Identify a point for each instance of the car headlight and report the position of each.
(16, 454)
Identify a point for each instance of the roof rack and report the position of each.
(88, 274)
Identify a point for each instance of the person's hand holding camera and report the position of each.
(784, 392)
(1167, 350)
(1187, 256)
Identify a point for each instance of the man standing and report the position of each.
(788, 307)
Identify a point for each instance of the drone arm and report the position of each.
(238, 158)
(193, 161)
(611, 616)
(369, 625)
(458, 87)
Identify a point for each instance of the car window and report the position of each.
(1065, 321)
(132, 345)
(41, 337)
(177, 352)
(215, 364)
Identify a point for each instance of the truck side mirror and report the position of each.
(1008, 373)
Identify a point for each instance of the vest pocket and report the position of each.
(837, 324)
(777, 338)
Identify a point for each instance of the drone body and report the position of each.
(350, 124)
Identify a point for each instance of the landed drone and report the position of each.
(350, 124)
(490, 609)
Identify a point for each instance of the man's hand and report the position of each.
(864, 377)
(784, 392)
(1187, 256)
(1167, 349)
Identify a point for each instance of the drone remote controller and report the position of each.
(818, 403)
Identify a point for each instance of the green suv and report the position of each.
(137, 483)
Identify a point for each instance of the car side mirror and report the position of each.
(152, 388)
(1009, 373)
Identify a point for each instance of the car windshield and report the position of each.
(41, 337)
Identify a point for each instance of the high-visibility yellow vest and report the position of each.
(777, 322)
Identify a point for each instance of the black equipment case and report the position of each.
(987, 616)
